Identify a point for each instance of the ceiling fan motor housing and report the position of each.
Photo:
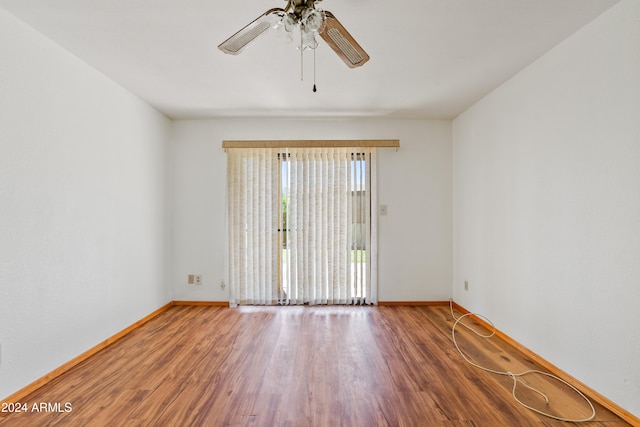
(302, 9)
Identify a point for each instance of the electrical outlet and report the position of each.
(198, 279)
(222, 285)
(383, 210)
(191, 279)
(466, 285)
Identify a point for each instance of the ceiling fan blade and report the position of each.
(342, 42)
(237, 42)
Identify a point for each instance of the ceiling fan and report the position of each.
(303, 17)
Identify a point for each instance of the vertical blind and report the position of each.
(301, 229)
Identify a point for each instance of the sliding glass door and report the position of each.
(320, 208)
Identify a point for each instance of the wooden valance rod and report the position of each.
(310, 143)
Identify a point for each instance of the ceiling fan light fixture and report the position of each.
(289, 22)
(312, 19)
(308, 39)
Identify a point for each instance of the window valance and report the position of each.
(310, 143)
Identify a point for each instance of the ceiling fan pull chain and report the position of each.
(314, 70)
(301, 58)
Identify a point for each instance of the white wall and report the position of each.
(415, 243)
(547, 206)
(83, 202)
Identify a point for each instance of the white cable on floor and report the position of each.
(513, 376)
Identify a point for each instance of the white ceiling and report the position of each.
(429, 58)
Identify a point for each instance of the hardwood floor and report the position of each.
(297, 366)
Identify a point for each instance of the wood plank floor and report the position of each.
(298, 366)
